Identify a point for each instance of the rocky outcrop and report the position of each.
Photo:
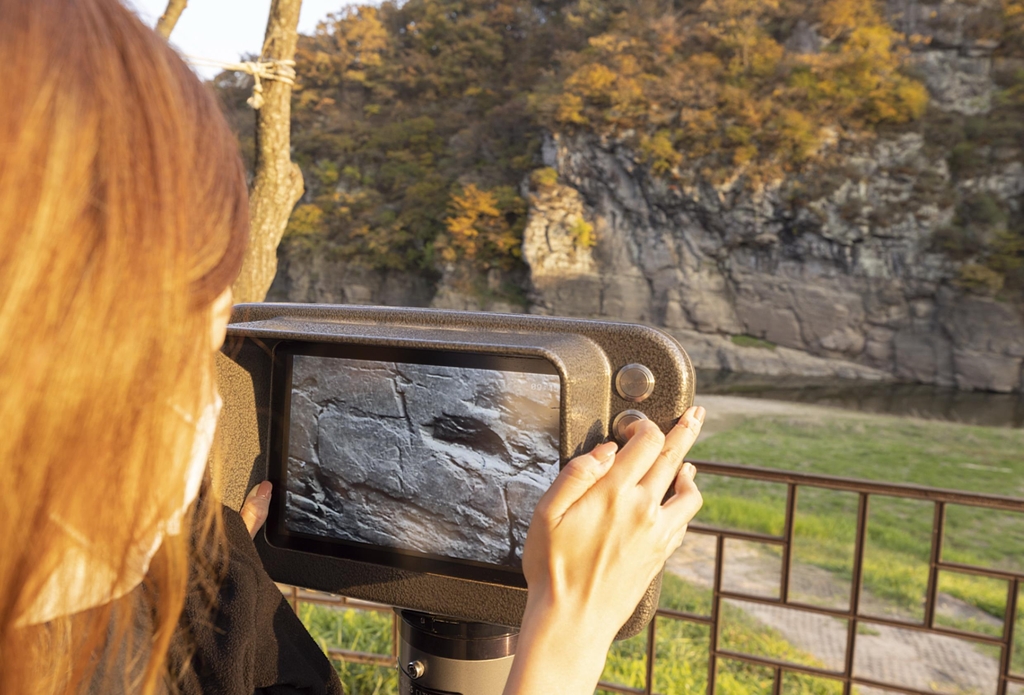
(834, 274)
(306, 275)
(855, 295)
(377, 447)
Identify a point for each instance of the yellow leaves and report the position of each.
(612, 44)
(765, 56)
(582, 233)
(1013, 28)
(743, 155)
(361, 36)
(478, 228)
(591, 81)
(543, 178)
(570, 110)
(471, 204)
(660, 152)
(798, 136)
(705, 64)
(873, 43)
(839, 16)
(306, 220)
(595, 87)
(727, 11)
(913, 97)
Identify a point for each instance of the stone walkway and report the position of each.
(898, 656)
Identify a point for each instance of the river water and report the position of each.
(930, 402)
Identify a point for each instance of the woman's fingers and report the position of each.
(687, 501)
(635, 459)
(677, 444)
(677, 540)
(256, 507)
(578, 476)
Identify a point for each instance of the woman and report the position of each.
(123, 217)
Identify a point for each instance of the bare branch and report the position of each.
(165, 25)
(277, 185)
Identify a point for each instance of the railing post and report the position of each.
(938, 529)
(855, 590)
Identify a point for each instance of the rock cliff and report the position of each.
(833, 273)
(829, 295)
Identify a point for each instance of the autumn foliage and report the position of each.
(757, 87)
(417, 123)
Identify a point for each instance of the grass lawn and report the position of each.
(681, 662)
(937, 454)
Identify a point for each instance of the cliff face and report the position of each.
(850, 277)
(847, 297)
(832, 273)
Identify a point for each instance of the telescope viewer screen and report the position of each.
(442, 459)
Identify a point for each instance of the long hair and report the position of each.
(123, 215)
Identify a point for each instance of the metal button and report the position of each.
(624, 420)
(416, 669)
(634, 382)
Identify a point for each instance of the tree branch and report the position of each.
(165, 25)
(277, 184)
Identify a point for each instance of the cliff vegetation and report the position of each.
(416, 123)
(838, 181)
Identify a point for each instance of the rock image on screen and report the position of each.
(443, 460)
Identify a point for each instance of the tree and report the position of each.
(277, 184)
(165, 25)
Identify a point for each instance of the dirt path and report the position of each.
(902, 657)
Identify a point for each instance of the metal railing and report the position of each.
(853, 616)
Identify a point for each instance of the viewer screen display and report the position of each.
(436, 459)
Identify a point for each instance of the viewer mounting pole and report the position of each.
(441, 656)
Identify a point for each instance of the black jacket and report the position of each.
(252, 643)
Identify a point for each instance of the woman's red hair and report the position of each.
(123, 215)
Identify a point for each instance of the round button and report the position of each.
(634, 382)
(624, 420)
(416, 669)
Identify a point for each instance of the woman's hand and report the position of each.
(598, 538)
(256, 507)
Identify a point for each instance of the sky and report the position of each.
(226, 29)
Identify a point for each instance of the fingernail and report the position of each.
(605, 452)
(689, 470)
(700, 414)
(264, 490)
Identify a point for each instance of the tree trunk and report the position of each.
(165, 25)
(277, 185)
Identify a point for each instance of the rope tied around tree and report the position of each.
(270, 70)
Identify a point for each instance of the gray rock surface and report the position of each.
(436, 459)
(847, 285)
(847, 282)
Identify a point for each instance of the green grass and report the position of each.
(751, 341)
(357, 630)
(937, 454)
(978, 459)
(681, 661)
